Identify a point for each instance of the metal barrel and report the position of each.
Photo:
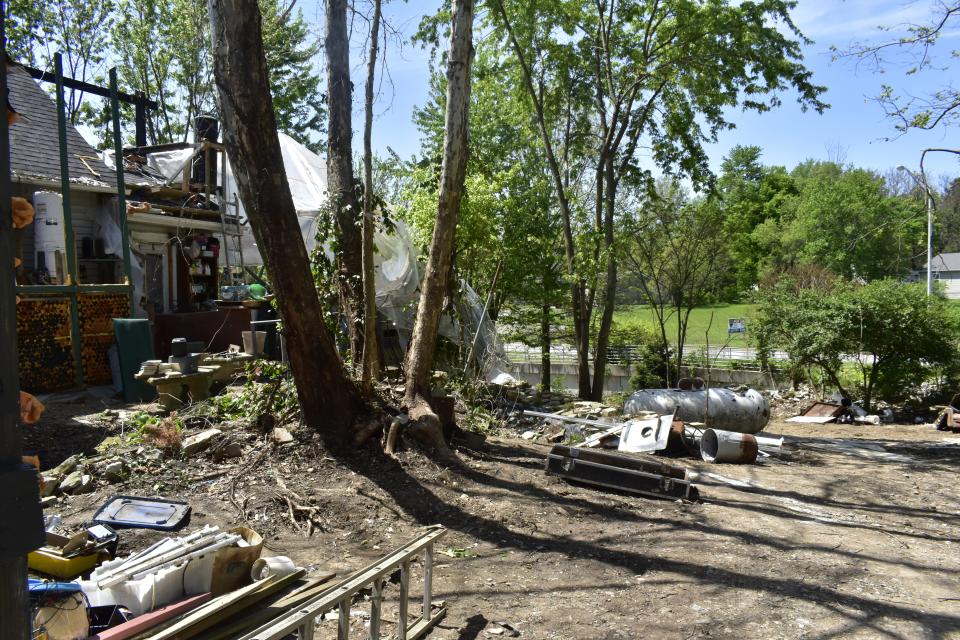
(727, 446)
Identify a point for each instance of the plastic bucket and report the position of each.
(248, 345)
(727, 446)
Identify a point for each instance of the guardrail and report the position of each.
(303, 619)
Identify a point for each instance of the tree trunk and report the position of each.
(419, 361)
(545, 380)
(343, 197)
(328, 398)
(581, 334)
(371, 346)
(610, 290)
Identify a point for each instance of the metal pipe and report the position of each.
(592, 423)
(121, 187)
(719, 408)
(728, 446)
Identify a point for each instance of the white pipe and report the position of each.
(190, 556)
(159, 560)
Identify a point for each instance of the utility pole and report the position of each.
(921, 181)
(21, 524)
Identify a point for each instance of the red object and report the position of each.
(149, 620)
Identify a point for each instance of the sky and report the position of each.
(853, 129)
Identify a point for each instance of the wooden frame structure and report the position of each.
(73, 288)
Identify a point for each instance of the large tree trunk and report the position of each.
(343, 196)
(328, 398)
(419, 361)
(610, 291)
(371, 346)
(545, 373)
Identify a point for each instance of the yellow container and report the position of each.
(50, 561)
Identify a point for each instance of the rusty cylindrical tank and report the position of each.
(719, 408)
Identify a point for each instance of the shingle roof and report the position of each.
(34, 144)
(946, 262)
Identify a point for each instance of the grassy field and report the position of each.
(699, 321)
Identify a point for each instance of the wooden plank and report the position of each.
(149, 620)
(225, 607)
(823, 409)
(271, 608)
(422, 626)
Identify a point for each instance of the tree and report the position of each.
(328, 399)
(608, 74)
(371, 346)
(78, 29)
(678, 251)
(949, 237)
(914, 49)
(843, 219)
(434, 288)
(892, 333)
(506, 216)
(294, 84)
(751, 195)
(340, 183)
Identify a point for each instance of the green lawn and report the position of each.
(699, 321)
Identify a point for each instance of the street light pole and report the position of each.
(922, 182)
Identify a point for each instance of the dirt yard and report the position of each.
(853, 532)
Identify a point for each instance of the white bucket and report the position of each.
(248, 346)
(727, 446)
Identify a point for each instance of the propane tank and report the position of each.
(48, 229)
(719, 408)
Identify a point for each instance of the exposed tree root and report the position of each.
(425, 429)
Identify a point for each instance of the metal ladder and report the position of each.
(302, 619)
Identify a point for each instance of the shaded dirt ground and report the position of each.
(859, 543)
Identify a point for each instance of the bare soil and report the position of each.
(855, 542)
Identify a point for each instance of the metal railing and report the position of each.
(302, 620)
(628, 354)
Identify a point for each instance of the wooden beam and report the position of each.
(86, 87)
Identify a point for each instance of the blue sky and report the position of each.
(787, 135)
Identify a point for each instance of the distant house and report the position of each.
(945, 268)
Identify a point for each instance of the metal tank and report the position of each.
(720, 408)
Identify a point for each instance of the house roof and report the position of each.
(34, 143)
(945, 262)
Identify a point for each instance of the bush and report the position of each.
(648, 355)
(880, 340)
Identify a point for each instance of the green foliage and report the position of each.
(267, 382)
(649, 357)
(842, 219)
(79, 29)
(162, 48)
(892, 334)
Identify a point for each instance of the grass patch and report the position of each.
(697, 326)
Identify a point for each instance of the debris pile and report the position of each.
(209, 583)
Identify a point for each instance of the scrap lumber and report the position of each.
(150, 620)
(634, 474)
(224, 608)
(819, 413)
(271, 608)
